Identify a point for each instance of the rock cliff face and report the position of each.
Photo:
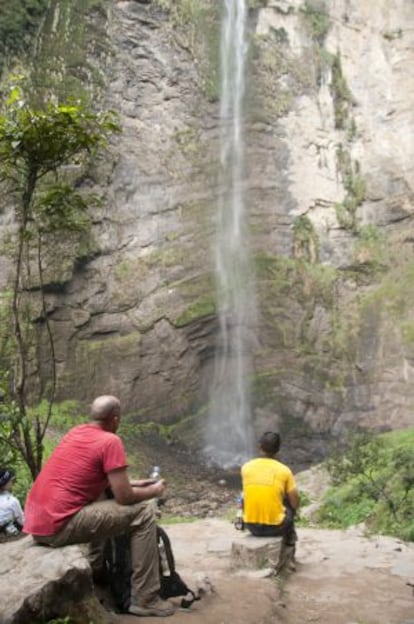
(329, 189)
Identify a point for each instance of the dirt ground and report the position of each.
(341, 577)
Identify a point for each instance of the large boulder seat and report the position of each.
(39, 584)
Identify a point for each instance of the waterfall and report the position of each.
(229, 436)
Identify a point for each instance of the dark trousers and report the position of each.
(285, 530)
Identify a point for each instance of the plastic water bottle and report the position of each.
(155, 473)
(239, 523)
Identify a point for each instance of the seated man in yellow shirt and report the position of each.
(270, 496)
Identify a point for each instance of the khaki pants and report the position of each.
(98, 521)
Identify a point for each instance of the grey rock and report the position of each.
(258, 553)
(42, 583)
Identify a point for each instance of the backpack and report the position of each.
(172, 584)
(118, 568)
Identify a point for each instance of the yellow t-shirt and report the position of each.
(265, 483)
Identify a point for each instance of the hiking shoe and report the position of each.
(155, 606)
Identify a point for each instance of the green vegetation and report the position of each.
(279, 269)
(355, 188)
(370, 249)
(64, 416)
(196, 28)
(182, 12)
(342, 96)
(351, 130)
(393, 298)
(203, 306)
(407, 328)
(37, 146)
(19, 23)
(73, 37)
(322, 333)
(373, 482)
(306, 281)
(265, 384)
(130, 429)
(256, 4)
(59, 41)
(198, 294)
(325, 334)
(169, 256)
(317, 22)
(305, 240)
(269, 94)
(304, 499)
(394, 294)
(391, 35)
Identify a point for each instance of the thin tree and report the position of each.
(37, 146)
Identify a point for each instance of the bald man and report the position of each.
(65, 504)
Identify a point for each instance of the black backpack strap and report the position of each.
(174, 577)
(163, 537)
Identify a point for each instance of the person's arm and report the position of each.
(141, 482)
(17, 511)
(127, 494)
(291, 490)
(293, 498)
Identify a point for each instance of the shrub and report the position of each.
(373, 482)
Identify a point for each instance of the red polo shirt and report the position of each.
(74, 475)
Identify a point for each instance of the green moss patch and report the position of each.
(201, 307)
(112, 343)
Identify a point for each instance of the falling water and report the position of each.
(229, 433)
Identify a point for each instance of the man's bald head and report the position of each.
(104, 408)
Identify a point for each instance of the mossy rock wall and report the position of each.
(329, 209)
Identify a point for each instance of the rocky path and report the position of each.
(346, 578)
(342, 577)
